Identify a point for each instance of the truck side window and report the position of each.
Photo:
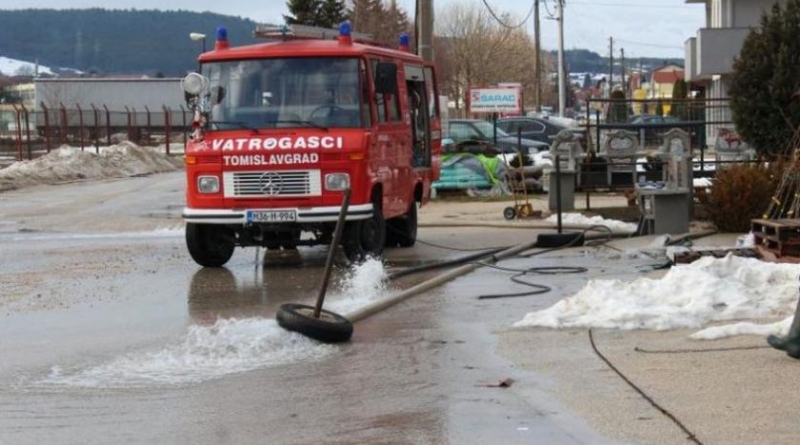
(366, 110)
(380, 101)
(388, 104)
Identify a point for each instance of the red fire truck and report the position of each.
(282, 128)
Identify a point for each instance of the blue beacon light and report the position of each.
(345, 32)
(405, 42)
(222, 38)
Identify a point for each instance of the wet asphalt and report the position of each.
(105, 293)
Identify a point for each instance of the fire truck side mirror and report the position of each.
(386, 78)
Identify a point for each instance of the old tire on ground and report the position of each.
(365, 238)
(402, 231)
(210, 245)
(565, 239)
(330, 327)
(509, 213)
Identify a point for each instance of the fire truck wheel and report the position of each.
(209, 245)
(328, 328)
(365, 238)
(407, 228)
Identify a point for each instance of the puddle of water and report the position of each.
(227, 346)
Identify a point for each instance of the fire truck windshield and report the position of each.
(287, 92)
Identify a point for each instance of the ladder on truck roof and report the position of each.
(305, 32)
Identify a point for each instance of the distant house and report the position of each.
(663, 80)
(710, 54)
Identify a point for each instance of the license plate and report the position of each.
(271, 216)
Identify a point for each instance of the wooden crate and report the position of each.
(781, 237)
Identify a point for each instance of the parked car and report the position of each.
(653, 126)
(537, 129)
(461, 130)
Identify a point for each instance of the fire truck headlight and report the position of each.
(208, 184)
(337, 181)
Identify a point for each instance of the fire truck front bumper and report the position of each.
(299, 215)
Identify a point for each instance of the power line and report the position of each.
(549, 13)
(504, 24)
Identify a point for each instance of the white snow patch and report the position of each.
(688, 296)
(743, 328)
(577, 219)
(70, 164)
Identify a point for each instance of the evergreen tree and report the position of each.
(765, 80)
(618, 109)
(367, 16)
(331, 13)
(303, 12)
(679, 94)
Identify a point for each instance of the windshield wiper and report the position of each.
(236, 124)
(302, 122)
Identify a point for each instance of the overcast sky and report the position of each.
(656, 28)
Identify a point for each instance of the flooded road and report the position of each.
(110, 333)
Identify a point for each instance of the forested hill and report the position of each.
(585, 61)
(114, 41)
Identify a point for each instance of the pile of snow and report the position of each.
(688, 296)
(579, 220)
(14, 67)
(70, 163)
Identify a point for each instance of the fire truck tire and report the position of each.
(209, 245)
(365, 238)
(330, 327)
(407, 228)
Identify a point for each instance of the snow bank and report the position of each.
(688, 296)
(577, 219)
(70, 164)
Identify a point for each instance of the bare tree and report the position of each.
(479, 50)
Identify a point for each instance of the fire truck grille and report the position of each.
(272, 184)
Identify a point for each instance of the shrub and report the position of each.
(739, 194)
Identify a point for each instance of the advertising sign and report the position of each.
(494, 100)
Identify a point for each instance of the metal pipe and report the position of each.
(337, 238)
(558, 191)
(19, 131)
(96, 128)
(80, 123)
(425, 286)
(46, 126)
(108, 125)
(27, 131)
(167, 126)
(63, 123)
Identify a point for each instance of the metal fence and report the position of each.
(28, 133)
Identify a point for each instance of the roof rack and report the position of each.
(292, 32)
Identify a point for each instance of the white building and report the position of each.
(710, 54)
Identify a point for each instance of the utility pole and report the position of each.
(425, 29)
(610, 65)
(622, 63)
(537, 61)
(562, 94)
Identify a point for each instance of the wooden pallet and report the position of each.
(780, 237)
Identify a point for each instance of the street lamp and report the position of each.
(198, 36)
